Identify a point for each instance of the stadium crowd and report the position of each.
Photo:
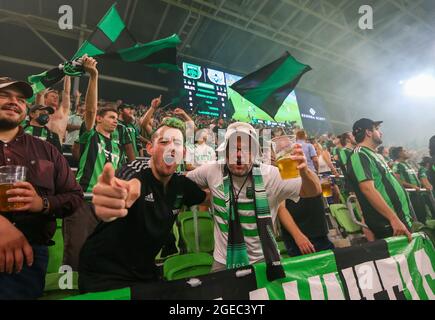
(119, 174)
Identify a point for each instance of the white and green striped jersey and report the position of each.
(277, 190)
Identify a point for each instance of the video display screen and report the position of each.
(207, 92)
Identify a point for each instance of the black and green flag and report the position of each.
(110, 35)
(269, 86)
(112, 39)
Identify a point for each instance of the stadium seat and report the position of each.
(343, 218)
(71, 161)
(187, 265)
(55, 252)
(205, 231)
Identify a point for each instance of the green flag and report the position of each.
(110, 35)
(112, 39)
(269, 86)
(158, 54)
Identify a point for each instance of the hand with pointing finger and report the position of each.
(112, 196)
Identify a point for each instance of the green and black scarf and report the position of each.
(237, 253)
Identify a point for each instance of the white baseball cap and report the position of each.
(239, 127)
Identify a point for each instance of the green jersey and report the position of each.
(122, 138)
(343, 156)
(97, 150)
(132, 135)
(422, 173)
(406, 173)
(365, 164)
(119, 136)
(45, 134)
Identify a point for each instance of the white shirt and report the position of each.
(277, 190)
(323, 166)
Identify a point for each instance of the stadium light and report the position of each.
(422, 85)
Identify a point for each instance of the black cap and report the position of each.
(362, 125)
(23, 86)
(126, 106)
(41, 107)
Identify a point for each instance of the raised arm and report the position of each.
(40, 97)
(66, 96)
(91, 100)
(77, 96)
(146, 121)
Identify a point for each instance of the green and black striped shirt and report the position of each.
(343, 156)
(96, 151)
(132, 134)
(45, 134)
(422, 173)
(365, 164)
(406, 173)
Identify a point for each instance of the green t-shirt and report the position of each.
(97, 150)
(365, 164)
(343, 156)
(422, 173)
(406, 173)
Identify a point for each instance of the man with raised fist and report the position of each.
(138, 207)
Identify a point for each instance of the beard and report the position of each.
(377, 141)
(8, 124)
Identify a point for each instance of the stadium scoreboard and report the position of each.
(205, 90)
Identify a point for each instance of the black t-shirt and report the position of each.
(122, 252)
(309, 215)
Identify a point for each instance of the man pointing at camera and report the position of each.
(138, 208)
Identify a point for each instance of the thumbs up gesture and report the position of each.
(112, 196)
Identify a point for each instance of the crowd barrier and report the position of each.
(389, 269)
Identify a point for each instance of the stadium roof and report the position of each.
(349, 64)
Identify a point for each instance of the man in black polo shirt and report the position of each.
(139, 208)
(385, 204)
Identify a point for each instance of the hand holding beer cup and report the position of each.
(15, 193)
(290, 158)
(23, 197)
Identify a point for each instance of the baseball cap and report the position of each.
(362, 125)
(23, 86)
(237, 128)
(125, 106)
(41, 107)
